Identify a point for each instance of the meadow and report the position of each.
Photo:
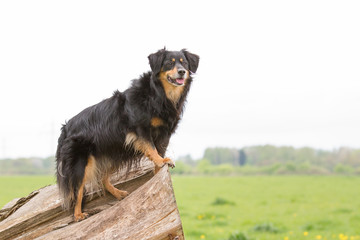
(251, 207)
(20, 186)
(269, 207)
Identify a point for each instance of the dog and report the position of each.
(124, 128)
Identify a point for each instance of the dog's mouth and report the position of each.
(176, 81)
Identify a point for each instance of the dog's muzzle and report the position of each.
(179, 78)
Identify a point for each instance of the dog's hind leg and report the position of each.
(78, 214)
(88, 174)
(114, 191)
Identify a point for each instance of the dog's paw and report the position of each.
(164, 161)
(169, 162)
(80, 216)
(121, 194)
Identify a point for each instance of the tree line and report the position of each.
(264, 159)
(27, 166)
(269, 159)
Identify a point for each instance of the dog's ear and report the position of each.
(156, 60)
(193, 60)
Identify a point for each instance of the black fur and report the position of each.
(101, 130)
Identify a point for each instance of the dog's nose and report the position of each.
(181, 72)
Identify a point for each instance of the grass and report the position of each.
(257, 208)
(269, 207)
(20, 186)
(222, 201)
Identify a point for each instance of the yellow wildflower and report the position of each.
(202, 236)
(306, 233)
(343, 237)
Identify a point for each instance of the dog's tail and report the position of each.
(71, 159)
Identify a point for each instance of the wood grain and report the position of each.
(149, 212)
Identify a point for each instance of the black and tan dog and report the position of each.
(122, 129)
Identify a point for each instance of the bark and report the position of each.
(149, 212)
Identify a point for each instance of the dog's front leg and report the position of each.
(146, 146)
(154, 156)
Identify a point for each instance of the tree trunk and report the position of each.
(149, 212)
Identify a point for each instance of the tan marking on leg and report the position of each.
(152, 154)
(156, 122)
(78, 214)
(114, 191)
(88, 174)
(148, 150)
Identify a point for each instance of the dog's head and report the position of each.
(174, 66)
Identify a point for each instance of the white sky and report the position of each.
(271, 72)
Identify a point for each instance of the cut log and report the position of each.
(149, 212)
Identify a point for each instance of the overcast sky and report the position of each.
(271, 72)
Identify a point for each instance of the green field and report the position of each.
(265, 207)
(270, 207)
(20, 186)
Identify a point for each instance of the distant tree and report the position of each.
(204, 166)
(343, 169)
(242, 157)
(307, 154)
(187, 159)
(27, 166)
(219, 155)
